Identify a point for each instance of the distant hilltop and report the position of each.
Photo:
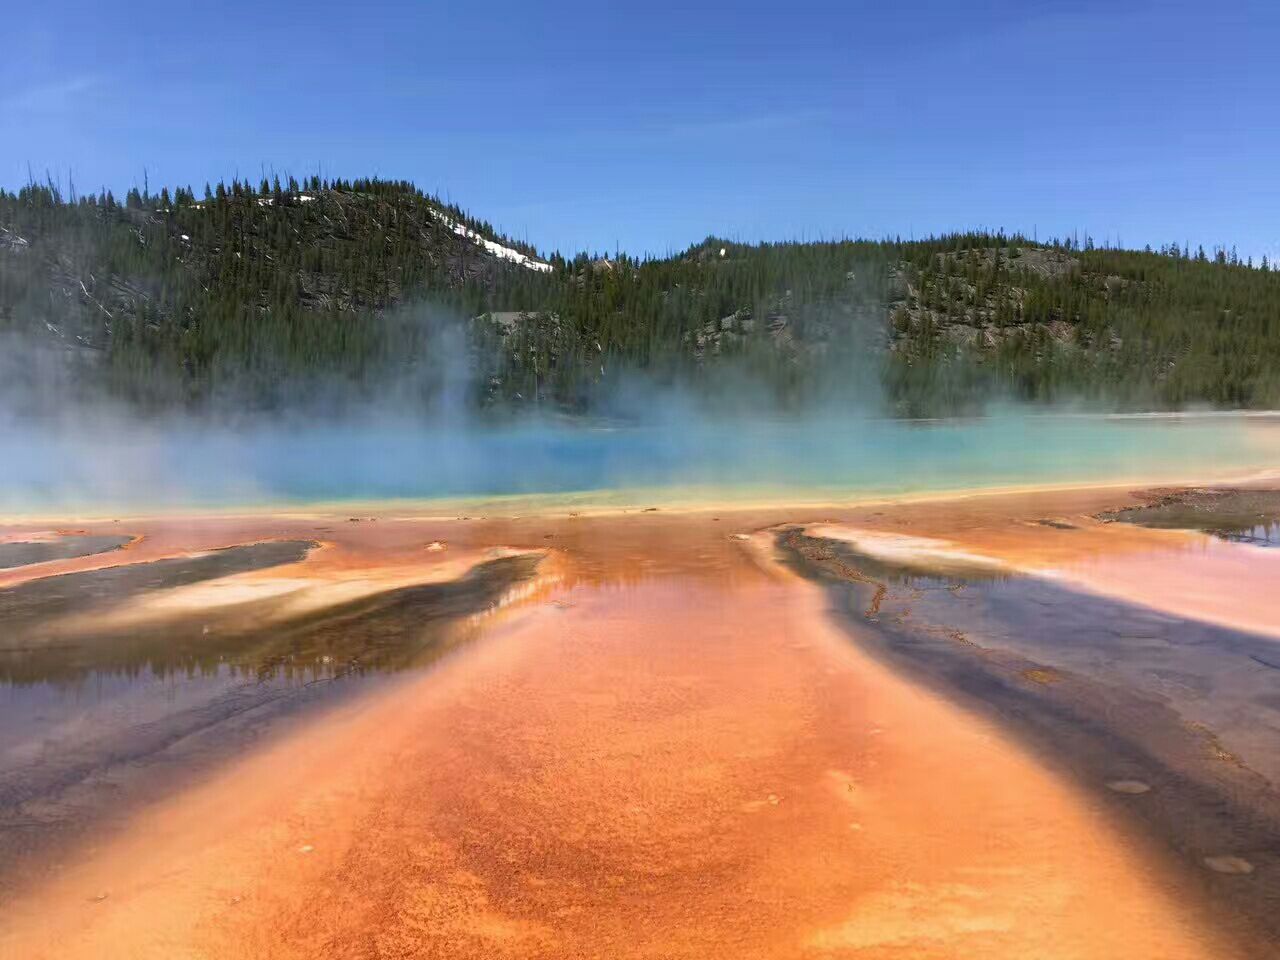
(243, 291)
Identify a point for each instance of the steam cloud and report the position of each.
(410, 432)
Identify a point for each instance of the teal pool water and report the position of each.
(42, 470)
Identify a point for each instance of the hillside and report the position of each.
(251, 294)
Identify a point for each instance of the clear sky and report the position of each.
(648, 125)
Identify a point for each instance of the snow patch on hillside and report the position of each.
(497, 249)
(11, 240)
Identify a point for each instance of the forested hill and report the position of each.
(252, 293)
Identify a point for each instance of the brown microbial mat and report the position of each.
(879, 731)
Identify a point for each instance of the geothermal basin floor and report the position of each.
(659, 737)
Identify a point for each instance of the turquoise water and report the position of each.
(171, 466)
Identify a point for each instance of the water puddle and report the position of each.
(60, 546)
(1240, 515)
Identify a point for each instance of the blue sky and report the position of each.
(647, 126)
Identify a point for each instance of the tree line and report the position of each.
(253, 291)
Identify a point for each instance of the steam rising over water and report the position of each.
(101, 466)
